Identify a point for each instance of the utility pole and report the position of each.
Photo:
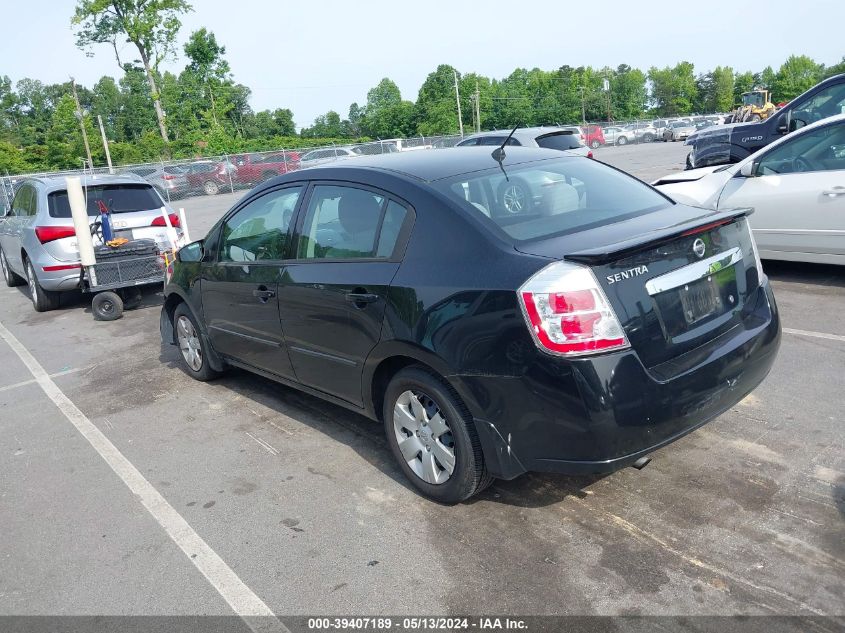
(477, 108)
(105, 143)
(458, 100)
(81, 118)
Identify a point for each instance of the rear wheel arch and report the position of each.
(382, 371)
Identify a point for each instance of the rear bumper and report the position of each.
(600, 414)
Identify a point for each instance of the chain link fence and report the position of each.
(228, 173)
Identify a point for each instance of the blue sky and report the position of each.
(324, 54)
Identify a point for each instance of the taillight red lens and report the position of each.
(174, 220)
(577, 300)
(568, 313)
(51, 233)
(590, 154)
(168, 177)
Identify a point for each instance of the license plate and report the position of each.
(700, 300)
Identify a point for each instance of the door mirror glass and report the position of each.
(747, 170)
(192, 252)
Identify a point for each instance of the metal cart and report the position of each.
(117, 275)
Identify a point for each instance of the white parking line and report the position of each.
(32, 381)
(240, 598)
(830, 337)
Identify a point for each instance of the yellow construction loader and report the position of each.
(756, 106)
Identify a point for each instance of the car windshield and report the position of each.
(551, 197)
(124, 198)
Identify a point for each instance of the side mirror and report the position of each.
(748, 169)
(784, 123)
(192, 252)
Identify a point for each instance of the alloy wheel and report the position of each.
(31, 282)
(514, 199)
(189, 343)
(424, 437)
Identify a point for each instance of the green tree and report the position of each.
(435, 111)
(150, 25)
(386, 115)
(797, 74)
(628, 92)
(327, 125)
(673, 90)
(743, 82)
(209, 70)
(836, 69)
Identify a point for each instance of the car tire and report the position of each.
(107, 306)
(688, 162)
(648, 138)
(442, 438)
(515, 196)
(42, 300)
(622, 140)
(193, 346)
(12, 279)
(211, 188)
(267, 175)
(595, 144)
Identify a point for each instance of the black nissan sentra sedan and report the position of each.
(498, 313)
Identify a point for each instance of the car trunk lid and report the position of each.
(674, 284)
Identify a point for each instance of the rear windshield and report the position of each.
(117, 198)
(552, 197)
(559, 140)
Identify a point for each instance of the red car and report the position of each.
(255, 168)
(212, 177)
(593, 136)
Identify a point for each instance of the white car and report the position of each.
(796, 186)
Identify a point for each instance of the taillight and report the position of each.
(159, 220)
(168, 177)
(590, 154)
(568, 312)
(51, 233)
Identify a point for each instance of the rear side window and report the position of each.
(551, 197)
(349, 223)
(559, 141)
(125, 198)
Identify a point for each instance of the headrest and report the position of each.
(358, 211)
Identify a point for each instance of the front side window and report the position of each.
(259, 231)
(823, 149)
(551, 197)
(348, 223)
(826, 103)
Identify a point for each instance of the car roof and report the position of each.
(53, 183)
(435, 164)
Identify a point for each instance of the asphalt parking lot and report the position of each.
(302, 502)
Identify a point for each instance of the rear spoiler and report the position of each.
(618, 250)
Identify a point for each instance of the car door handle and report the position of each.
(836, 191)
(361, 297)
(263, 294)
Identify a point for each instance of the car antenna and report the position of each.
(499, 153)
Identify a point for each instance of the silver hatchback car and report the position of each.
(38, 242)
